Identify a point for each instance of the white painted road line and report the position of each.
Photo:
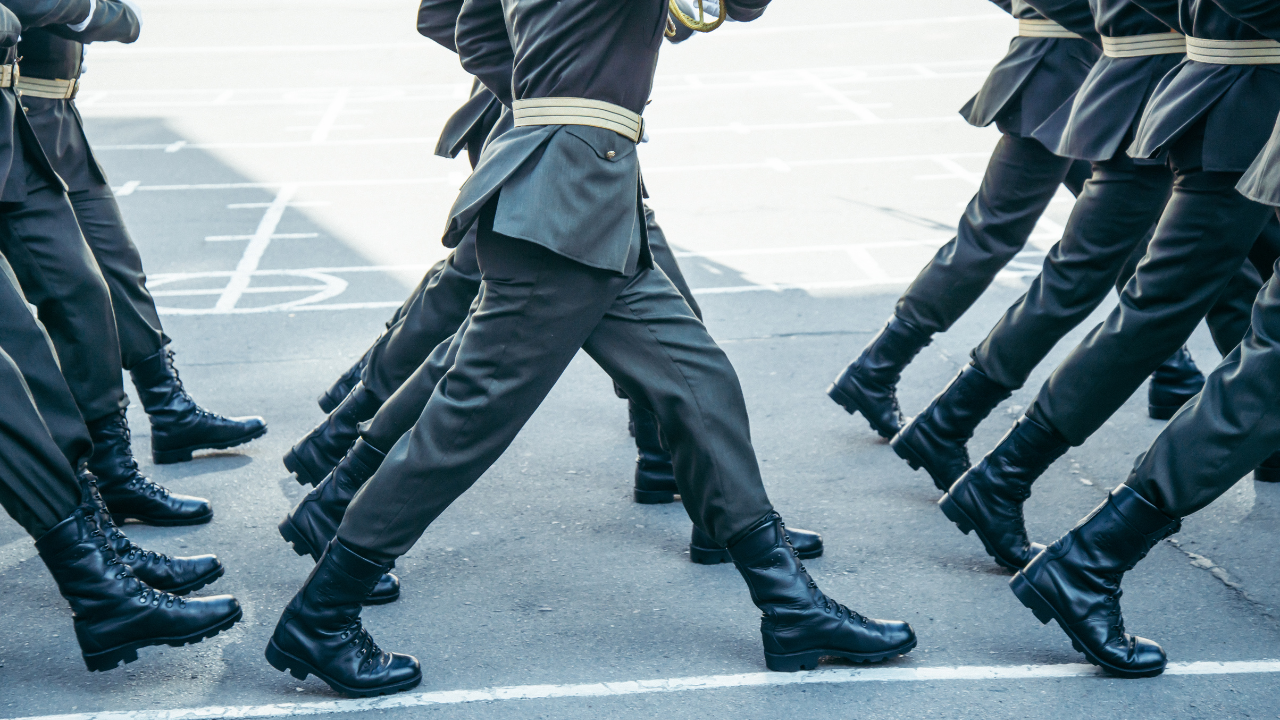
(971, 673)
(254, 250)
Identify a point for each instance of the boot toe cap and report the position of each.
(806, 542)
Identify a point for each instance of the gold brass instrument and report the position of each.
(700, 24)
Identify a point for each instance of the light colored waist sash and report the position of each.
(1043, 28)
(1234, 52)
(46, 88)
(8, 75)
(578, 111)
(1165, 43)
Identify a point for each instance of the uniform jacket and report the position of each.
(1261, 182)
(1106, 109)
(572, 189)
(56, 53)
(470, 124)
(18, 142)
(1035, 78)
(1238, 104)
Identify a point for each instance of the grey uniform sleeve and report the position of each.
(484, 46)
(112, 21)
(39, 13)
(1261, 15)
(1073, 15)
(437, 20)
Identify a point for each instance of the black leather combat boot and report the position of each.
(320, 631)
(314, 522)
(704, 551)
(128, 494)
(174, 575)
(799, 624)
(115, 613)
(1269, 469)
(334, 396)
(319, 452)
(869, 385)
(1076, 581)
(1176, 381)
(988, 498)
(178, 425)
(937, 438)
(655, 475)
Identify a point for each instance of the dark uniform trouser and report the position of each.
(536, 309)
(41, 434)
(404, 365)
(58, 274)
(1020, 181)
(1201, 241)
(137, 322)
(1226, 430)
(1105, 237)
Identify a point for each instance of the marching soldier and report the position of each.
(1110, 222)
(50, 76)
(394, 380)
(1045, 64)
(40, 237)
(1203, 451)
(1212, 115)
(581, 277)
(123, 597)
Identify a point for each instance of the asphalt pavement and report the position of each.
(274, 162)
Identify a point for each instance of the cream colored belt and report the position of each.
(578, 111)
(1043, 28)
(46, 88)
(8, 74)
(1234, 52)
(1165, 43)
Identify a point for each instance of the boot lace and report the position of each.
(147, 595)
(137, 480)
(180, 389)
(839, 610)
(359, 638)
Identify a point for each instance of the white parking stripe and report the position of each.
(641, 687)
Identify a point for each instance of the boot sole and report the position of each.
(808, 660)
(110, 659)
(913, 458)
(716, 556)
(300, 669)
(302, 547)
(957, 515)
(194, 584)
(851, 406)
(300, 473)
(183, 454)
(1163, 412)
(654, 497)
(1266, 474)
(1044, 612)
(120, 519)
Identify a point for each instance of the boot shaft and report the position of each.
(359, 464)
(85, 567)
(330, 599)
(771, 568)
(967, 400)
(1021, 457)
(112, 458)
(159, 387)
(891, 350)
(648, 436)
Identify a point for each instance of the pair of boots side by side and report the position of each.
(116, 612)
(655, 483)
(320, 632)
